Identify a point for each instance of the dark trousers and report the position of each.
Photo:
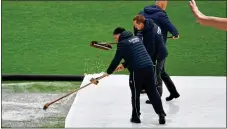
(161, 74)
(144, 77)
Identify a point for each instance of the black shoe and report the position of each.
(162, 119)
(135, 120)
(172, 96)
(148, 102)
(142, 91)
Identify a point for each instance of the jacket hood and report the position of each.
(125, 35)
(152, 9)
(148, 24)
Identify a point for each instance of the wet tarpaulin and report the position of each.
(202, 104)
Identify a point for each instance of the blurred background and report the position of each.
(53, 37)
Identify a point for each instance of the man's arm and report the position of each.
(116, 60)
(216, 22)
(124, 64)
(160, 44)
(171, 28)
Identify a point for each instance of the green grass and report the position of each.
(56, 121)
(41, 88)
(59, 122)
(47, 37)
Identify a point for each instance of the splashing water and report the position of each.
(25, 109)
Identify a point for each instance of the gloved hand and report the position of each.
(120, 68)
(176, 37)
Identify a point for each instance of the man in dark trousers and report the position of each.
(160, 18)
(153, 41)
(137, 60)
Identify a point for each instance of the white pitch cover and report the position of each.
(202, 104)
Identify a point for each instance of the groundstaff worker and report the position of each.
(140, 66)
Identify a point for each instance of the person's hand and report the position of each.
(199, 16)
(120, 68)
(176, 37)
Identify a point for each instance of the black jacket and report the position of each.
(153, 41)
(131, 49)
(160, 18)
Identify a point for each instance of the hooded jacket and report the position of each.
(153, 41)
(131, 49)
(160, 18)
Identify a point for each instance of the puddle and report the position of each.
(22, 110)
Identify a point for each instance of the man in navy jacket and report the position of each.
(137, 60)
(160, 18)
(153, 41)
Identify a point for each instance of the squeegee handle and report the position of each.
(69, 94)
(98, 78)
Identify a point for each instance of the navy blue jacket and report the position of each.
(131, 49)
(160, 18)
(153, 41)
